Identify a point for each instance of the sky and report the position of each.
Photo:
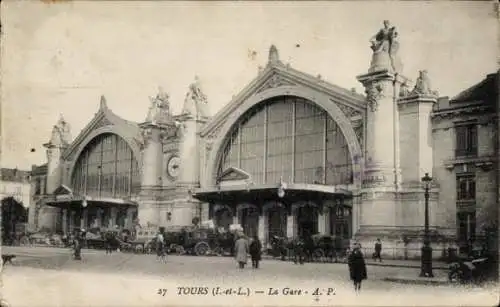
(60, 58)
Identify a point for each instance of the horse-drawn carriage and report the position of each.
(318, 247)
(202, 241)
(191, 240)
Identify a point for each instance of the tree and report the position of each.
(13, 213)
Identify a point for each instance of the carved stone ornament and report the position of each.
(147, 134)
(274, 82)
(404, 90)
(195, 102)
(168, 135)
(348, 111)
(423, 85)
(159, 111)
(374, 92)
(358, 129)
(103, 122)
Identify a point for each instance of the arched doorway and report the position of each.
(223, 218)
(276, 221)
(307, 221)
(250, 221)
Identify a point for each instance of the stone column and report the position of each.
(322, 222)
(72, 221)
(112, 220)
(99, 217)
(381, 127)
(262, 228)
(152, 156)
(130, 216)
(85, 218)
(65, 221)
(290, 226)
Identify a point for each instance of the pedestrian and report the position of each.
(241, 250)
(109, 242)
(160, 246)
(338, 247)
(255, 252)
(77, 247)
(378, 250)
(357, 267)
(299, 251)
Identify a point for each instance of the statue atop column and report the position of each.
(385, 46)
(196, 101)
(159, 111)
(423, 85)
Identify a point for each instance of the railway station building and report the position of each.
(290, 155)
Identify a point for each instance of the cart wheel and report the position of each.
(201, 248)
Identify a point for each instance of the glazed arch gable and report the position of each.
(320, 99)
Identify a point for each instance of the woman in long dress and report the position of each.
(241, 251)
(357, 267)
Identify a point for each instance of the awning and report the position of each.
(68, 201)
(260, 193)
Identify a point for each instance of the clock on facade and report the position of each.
(173, 166)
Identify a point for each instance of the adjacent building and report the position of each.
(290, 155)
(15, 197)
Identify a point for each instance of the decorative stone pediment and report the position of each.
(62, 190)
(233, 174)
(105, 121)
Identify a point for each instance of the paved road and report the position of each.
(129, 279)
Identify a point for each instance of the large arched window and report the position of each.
(106, 167)
(288, 137)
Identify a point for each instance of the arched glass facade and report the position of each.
(106, 167)
(288, 137)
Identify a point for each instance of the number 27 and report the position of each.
(162, 292)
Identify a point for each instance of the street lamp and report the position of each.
(426, 257)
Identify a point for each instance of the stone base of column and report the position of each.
(47, 218)
(397, 218)
(148, 214)
(401, 243)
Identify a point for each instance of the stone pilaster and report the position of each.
(416, 137)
